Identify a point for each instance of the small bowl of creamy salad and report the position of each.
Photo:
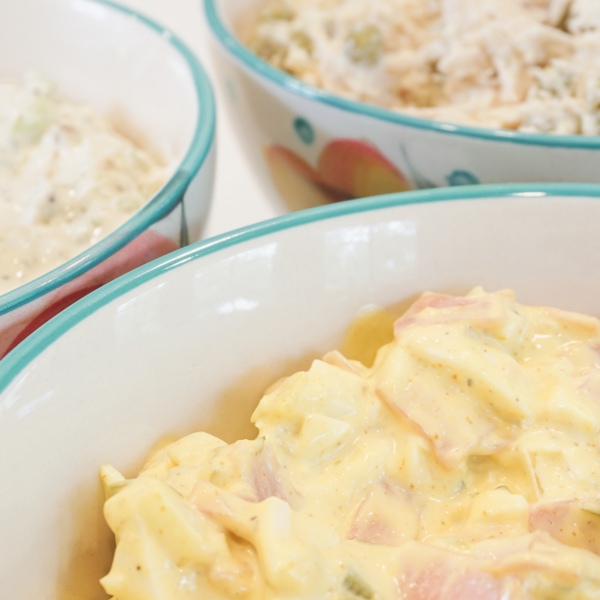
(338, 99)
(394, 398)
(107, 124)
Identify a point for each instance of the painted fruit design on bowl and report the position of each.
(345, 169)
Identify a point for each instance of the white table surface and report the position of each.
(237, 200)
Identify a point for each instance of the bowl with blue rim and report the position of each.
(315, 139)
(191, 340)
(108, 131)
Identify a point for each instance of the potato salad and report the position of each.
(527, 65)
(463, 463)
(67, 179)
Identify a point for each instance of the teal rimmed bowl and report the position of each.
(313, 147)
(154, 89)
(192, 339)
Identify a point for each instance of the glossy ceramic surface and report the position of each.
(312, 147)
(191, 340)
(155, 90)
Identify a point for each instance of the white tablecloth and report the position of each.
(237, 198)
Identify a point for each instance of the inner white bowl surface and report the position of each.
(93, 53)
(191, 341)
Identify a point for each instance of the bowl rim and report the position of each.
(42, 338)
(162, 203)
(295, 86)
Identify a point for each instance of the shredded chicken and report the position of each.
(527, 65)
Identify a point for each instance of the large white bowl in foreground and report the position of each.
(190, 341)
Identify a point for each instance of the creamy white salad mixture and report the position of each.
(67, 179)
(463, 463)
(527, 65)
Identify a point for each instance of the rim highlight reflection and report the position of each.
(16, 360)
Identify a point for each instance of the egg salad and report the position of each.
(463, 462)
(67, 178)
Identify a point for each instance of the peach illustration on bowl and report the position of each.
(345, 169)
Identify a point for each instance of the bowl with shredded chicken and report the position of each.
(106, 152)
(339, 99)
(392, 398)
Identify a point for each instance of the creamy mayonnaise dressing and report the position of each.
(529, 65)
(463, 463)
(67, 179)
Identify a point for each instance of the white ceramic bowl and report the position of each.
(310, 146)
(191, 340)
(153, 87)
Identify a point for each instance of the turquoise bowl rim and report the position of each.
(41, 339)
(164, 200)
(295, 86)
